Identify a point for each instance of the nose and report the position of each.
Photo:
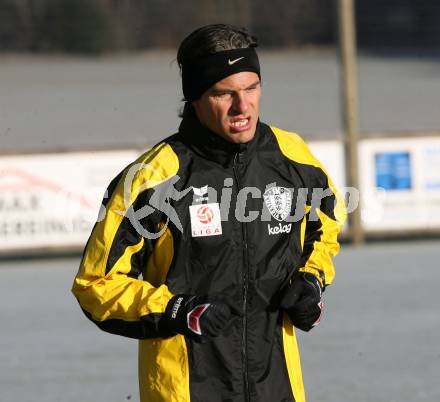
(241, 104)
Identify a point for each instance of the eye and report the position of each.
(252, 88)
(224, 95)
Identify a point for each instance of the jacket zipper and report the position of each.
(245, 287)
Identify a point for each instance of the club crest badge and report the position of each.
(278, 201)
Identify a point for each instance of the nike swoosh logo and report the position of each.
(231, 62)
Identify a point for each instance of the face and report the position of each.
(230, 108)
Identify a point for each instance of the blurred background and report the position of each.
(88, 85)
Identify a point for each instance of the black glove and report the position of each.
(196, 316)
(302, 300)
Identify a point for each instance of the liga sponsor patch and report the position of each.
(205, 220)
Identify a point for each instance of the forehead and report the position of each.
(237, 81)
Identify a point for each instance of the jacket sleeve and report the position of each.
(108, 285)
(325, 211)
(324, 217)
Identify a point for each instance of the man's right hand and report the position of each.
(196, 316)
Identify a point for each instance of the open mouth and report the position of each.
(241, 124)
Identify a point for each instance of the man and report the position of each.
(219, 221)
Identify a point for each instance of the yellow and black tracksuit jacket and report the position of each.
(131, 267)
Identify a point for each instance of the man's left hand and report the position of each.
(302, 300)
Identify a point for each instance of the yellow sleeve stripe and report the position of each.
(160, 260)
(323, 250)
(149, 170)
(116, 295)
(295, 149)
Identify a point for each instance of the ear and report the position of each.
(196, 104)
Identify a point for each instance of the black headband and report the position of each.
(198, 75)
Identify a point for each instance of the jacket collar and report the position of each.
(213, 147)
